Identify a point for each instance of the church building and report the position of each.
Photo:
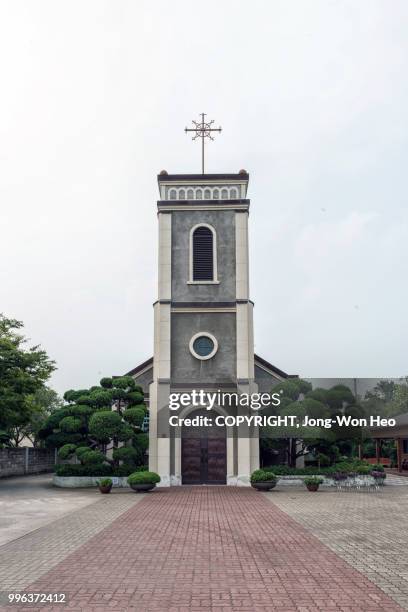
(203, 329)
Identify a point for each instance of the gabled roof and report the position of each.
(258, 361)
(273, 369)
(143, 366)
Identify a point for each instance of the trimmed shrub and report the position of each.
(263, 476)
(125, 469)
(313, 480)
(136, 398)
(94, 457)
(83, 470)
(104, 425)
(134, 416)
(106, 382)
(70, 424)
(66, 451)
(105, 482)
(143, 478)
(81, 450)
(125, 453)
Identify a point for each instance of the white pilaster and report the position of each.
(164, 256)
(241, 255)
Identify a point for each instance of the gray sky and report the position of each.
(313, 100)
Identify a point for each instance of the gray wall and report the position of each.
(264, 380)
(144, 380)
(19, 461)
(187, 369)
(223, 222)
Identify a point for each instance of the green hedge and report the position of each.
(97, 470)
(347, 467)
(143, 478)
(284, 470)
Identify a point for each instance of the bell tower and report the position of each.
(203, 321)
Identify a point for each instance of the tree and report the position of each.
(300, 400)
(23, 372)
(100, 425)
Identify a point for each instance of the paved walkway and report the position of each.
(368, 530)
(30, 502)
(212, 548)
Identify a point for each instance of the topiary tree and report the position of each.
(100, 425)
(300, 400)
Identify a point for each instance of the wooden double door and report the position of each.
(204, 455)
(203, 460)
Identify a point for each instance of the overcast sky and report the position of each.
(312, 97)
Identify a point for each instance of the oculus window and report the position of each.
(203, 345)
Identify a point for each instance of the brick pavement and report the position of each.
(368, 530)
(209, 548)
(25, 559)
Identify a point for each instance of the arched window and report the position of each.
(203, 263)
(190, 194)
(224, 194)
(182, 194)
(216, 194)
(173, 194)
(207, 194)
(199, 194)
(233, 194)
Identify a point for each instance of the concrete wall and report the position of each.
(264, 380)
(187, 369)
(224, 224)
(20, 461)
(144, 380)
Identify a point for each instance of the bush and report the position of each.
(81, 450)
(135, 416)
(313, 480)
(124, 470)
(136, 398)
(377, 467)
(263, 476)
(66, 450)
(105, 482)
(323, 459)
(105, 424)
(143, 478)
(362, 469)
(350, 467)
(94, 457)
(70, 424)
(125, 453)
(84, 470)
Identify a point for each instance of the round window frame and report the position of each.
(206, 335)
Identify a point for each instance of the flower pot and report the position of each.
(264, 485)
(142, 488)
(106, 489)
(312, 487)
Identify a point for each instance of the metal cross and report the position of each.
(202, 130)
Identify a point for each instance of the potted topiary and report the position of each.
(143, 481)
(262, 480)
(313, 483)
(105, 485)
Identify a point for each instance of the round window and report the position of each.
(203, 345)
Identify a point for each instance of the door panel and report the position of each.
(216, 460)
(191, 460)
(204, 460)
